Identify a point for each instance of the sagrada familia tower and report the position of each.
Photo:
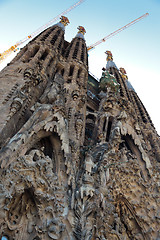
(79, 159)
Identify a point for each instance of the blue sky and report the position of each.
(137, 48)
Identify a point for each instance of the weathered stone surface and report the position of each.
(75, 164)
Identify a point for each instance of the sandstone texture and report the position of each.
(79, 159)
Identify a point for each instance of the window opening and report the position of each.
(69, 80)
(62, 71)
(44, 55)
(31, 54)
(126, 142)
(71, 71)
(104, 125)
(86, 57)
(68, 50)
(90, 116)
(35, 51)
(82, 53)
(110, 121)
(67, 53)
(60, 44)
(90, 123)
(55, 37)
(79, 72)
(46, 35)
(57, 70)
(76, 50)
(90, 109)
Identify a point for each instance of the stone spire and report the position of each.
(77, 49)
(33, 65)
(76, 77)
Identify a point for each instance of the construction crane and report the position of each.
(39, 30)
(91, 47)
(14, 47)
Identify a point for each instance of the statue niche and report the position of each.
(51, 147)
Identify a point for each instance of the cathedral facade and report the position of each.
(79, 158)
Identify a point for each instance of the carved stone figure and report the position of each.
(74, 165)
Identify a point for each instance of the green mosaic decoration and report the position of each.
(108, 81)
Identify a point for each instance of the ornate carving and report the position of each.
(79, 125)
(53, 185)
(32, 196)
(32, 79)
(109, 83)
(75, 95)
(23, 97)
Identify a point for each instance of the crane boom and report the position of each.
(117, 31)
(35, 33)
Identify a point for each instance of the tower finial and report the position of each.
(109, 55)
(64, 20)
(81, 30)
(109, 59)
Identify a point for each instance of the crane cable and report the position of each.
(50, 22)
(35, 33)
(117, 31)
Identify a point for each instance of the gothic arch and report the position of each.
(32, 189)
